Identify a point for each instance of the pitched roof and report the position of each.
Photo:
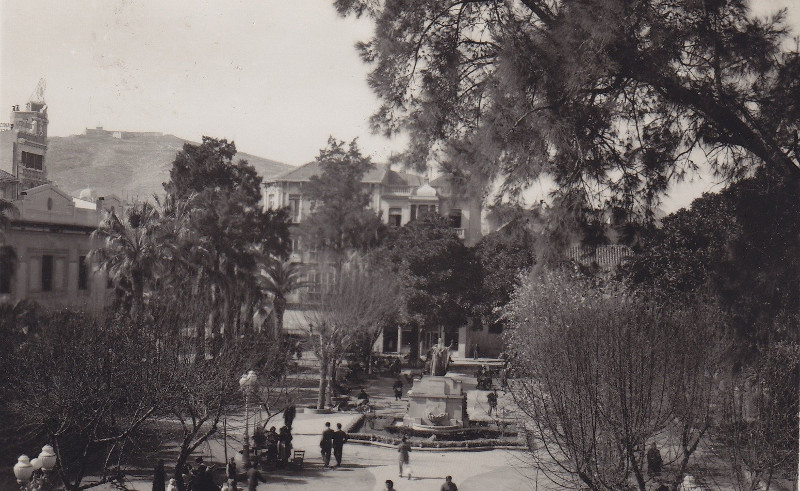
(379, 173)
(5, 176)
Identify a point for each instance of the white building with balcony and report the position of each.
(398, 198)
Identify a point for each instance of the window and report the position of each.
(32, 161)
(271, 201)
(426, 209)
(296, 244)
(83, 273)
(455, 218)
(413, 212)
(312, 281)
(313, 253)
(47, 273)
(395, 217)
(294, 207)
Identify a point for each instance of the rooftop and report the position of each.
(378, 174)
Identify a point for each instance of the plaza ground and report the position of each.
(367, 467)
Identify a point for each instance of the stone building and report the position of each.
(49, 231)
(398, 198)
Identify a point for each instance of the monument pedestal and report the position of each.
(436, 403)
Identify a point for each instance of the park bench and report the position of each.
(297, 459)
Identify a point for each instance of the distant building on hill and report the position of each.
(49, 230)
(122, 135)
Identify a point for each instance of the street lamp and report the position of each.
(247, 382)
(32, 474)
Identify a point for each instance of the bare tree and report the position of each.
(91, 386)
(757, 433)
(600, 376)
(357, 301)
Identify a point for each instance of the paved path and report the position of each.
(366, 467)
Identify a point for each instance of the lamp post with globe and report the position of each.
(248, 383)
(33, 473)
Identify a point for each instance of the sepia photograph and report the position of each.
(377, 245)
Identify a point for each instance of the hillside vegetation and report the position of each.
(130, 168)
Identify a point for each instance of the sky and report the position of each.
(277, 77)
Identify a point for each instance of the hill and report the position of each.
(131, 167)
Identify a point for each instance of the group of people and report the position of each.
(448, 485)
(197, 478)
(276, 444)
(332, 441)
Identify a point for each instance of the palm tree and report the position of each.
(279, 279)
(129, 249)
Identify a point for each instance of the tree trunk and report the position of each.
(279, 303)
(331, 375)
(323, 380)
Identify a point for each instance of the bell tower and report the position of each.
(30, 142)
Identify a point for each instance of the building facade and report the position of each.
(49, 230)
(397, 198)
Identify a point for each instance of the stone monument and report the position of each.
(437, 402)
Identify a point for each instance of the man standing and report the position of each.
(654, 461)
(398, 389)
(326, 443)
(253, 477)
(339, 439)
(448, 485)
(230, 472)
(492, 399)
(403, 449)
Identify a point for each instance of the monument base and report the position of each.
(436, 403)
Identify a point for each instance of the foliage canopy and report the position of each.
(613, 99)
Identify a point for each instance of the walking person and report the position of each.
(398, 389)
(448, 485)
(253, 477)
(230, 472)
(285, 444)
(339, 439)
(492, 399)
(403, 449)
(326, 444)
(654, 461)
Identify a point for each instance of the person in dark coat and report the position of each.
(285, 444)
(288, 415)
(272, 446)
(398, 389)
(448, 485)
(339, 439)
(654, 461)
(491, 398)
(326, 444)
(230, 471)
(253, 478)
(159, 477)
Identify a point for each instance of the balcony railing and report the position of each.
(400, 189)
